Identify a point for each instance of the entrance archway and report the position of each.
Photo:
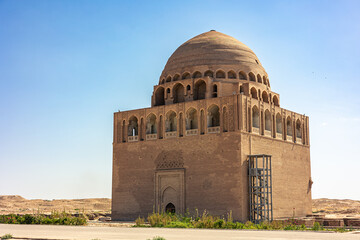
(170, 208)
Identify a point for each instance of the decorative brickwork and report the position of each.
(169, 160)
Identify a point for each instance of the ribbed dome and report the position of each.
(213, 50)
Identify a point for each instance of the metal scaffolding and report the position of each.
(260, 188)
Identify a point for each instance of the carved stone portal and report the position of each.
(170, 188)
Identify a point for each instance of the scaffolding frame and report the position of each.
(260, 188)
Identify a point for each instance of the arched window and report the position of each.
(186, 75)
(231, 75)
(288, 127)
(254, 93)
(267, 120)
(259, 78)
(133, 126)
(170, 123)
(225, 120)
(242, 75)
(241, 89)
(200, 90)
(170, 208)
(276, 101)
(168, 79)
(202, 122)
(278, 123)
(265, 97)
(298, 129)
(191, 119)
(214, 93)
(209, 73)
(161, 126)
(264, 80)
(220, 74)
(141, 132)
(176, 77)
(252, 77)
(213, 118)
(181, 124)
(197, 74)
(159, 96)
(151, 124)
(188, 88)
(255, 117)
(162, 81)
(124, 131)
(178, 93)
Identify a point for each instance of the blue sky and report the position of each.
(66, 66)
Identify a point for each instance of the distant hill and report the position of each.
(336, 207)
(17, 204)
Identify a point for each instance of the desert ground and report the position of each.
(102, 206)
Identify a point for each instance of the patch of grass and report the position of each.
(316, 227)
(341, 230)
(55, 218)
(140, 221)
(205, 220)
(7, 236)
(157, 238)
(178, 224)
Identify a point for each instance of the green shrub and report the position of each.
(249, 225)
(264, 225)
(54, 218)
(316, 226)
(179, 224)
(230, 225)
(28, 219)
(277, 225)
(7, 236)
(219, 223)
(303, 227)
(157, 238)
(290, 227)
(239, 225)
(340, 230)
(208, 221)
(140, 221)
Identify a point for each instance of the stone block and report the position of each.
(333, 222)
(105, 219)
(354, 222)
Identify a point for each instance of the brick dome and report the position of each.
(212, 51)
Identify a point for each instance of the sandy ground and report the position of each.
(19, 205)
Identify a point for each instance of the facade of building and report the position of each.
(212, 109)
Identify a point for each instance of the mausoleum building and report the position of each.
(213, 115)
